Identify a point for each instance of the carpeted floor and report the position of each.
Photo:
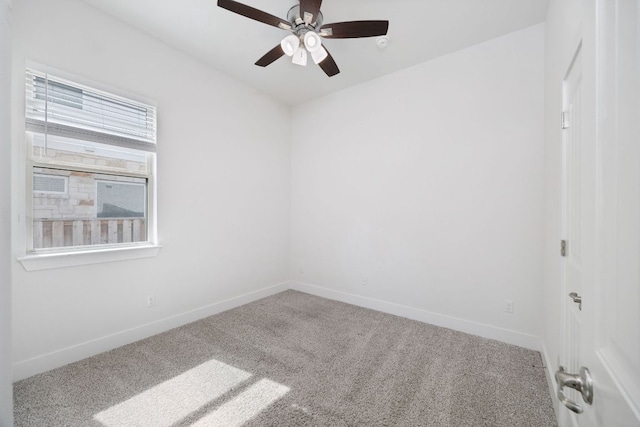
(295, 360)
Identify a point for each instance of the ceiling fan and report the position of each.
(304, 21)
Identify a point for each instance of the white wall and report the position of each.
(6, 401)
(429, 183)
(562, 25)
(226, 237)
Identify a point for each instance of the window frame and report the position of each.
(45, 258)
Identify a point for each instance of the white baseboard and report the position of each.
(26, 368)
(520, 339)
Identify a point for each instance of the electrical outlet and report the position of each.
(508, 306)
(365, 281)
(151, 301)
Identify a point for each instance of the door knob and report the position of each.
(581, 382)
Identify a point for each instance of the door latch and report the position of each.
(581, 382)
(577, 299)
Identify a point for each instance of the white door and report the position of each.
(606, 336)
(575, 268)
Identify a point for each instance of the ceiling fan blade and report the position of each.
(329, 66)
(309, 10)
(253, 13)
(354, 29)
(270, 56)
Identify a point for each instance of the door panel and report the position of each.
(572, 227)
(615, 355)
(601, 215)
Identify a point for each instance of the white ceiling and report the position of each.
(419, 30)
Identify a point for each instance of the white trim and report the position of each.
(508, 336)
(60, 259)
(26, 368)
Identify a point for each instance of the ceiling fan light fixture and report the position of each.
(290, 44)
(308, 18)
(319, 55)
(300, 57)
(306, 21)
(312, 41)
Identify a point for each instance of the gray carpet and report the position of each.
(295, 360)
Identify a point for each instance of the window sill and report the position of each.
(45, 261)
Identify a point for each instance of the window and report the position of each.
(91, 167)
(51, 184)
(121, 199)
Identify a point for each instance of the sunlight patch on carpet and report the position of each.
(245, 406)
(173, 400)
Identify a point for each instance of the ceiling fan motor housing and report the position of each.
(298, 23)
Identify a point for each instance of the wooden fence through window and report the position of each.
(54, 233)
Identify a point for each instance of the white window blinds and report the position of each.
(56, 106)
